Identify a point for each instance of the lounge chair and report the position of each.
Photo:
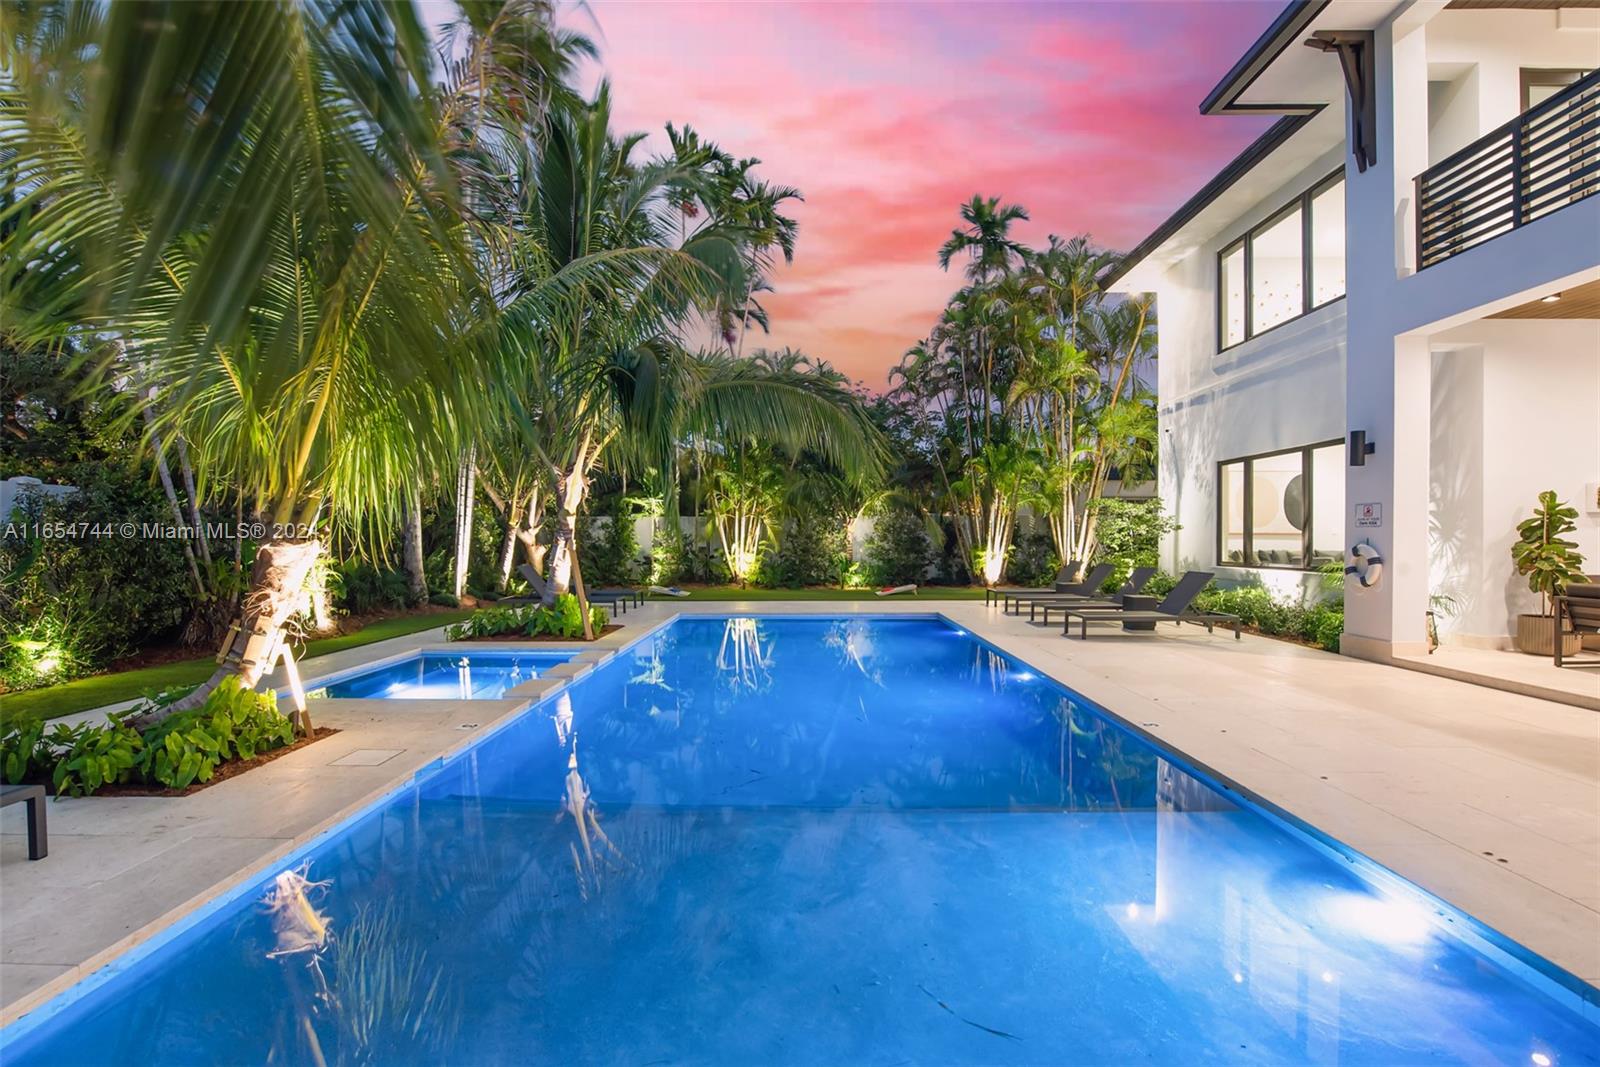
(1579, 604)
(1135, 584)
(1090, 586)
(1175, 608)
(33, 797)
(630, 594)
(1064, 577)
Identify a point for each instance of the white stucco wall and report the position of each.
(1280, 389)
(1487, 50)
(1516, 410)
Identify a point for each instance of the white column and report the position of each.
(1387, 389)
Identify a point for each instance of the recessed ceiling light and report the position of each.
(1551, 299)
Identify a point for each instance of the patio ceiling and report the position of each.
(1578, 302)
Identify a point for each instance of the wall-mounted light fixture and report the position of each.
(1360, 448)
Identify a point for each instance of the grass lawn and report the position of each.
(103, 689)
(733, 592)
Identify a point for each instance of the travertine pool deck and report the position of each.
(1490, 800)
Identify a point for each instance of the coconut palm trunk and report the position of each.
(277, 582)
(466, 496)
(411, 550)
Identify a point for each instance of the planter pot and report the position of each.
(1536, 636)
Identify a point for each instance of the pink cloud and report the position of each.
(889, 116)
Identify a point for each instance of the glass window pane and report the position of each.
(1327, 504)
(1231, 285)
(1276, 294)
(1231, 514)
(1327, 244)
(1278, 510)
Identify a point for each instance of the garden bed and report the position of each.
(223, 772)
(542, 639)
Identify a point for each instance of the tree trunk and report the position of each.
(177, 509)
(416, 578)
(508, 550)
(583, 597)
(276, 584)
(194, 499)
(570, 488)
(466, 493)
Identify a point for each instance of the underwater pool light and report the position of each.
(1541, 1059)
(1394, 922)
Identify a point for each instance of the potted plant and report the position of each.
(1549, 563)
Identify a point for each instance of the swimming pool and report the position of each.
(446, 676)
(786, 840)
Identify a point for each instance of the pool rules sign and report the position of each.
(1369, 515)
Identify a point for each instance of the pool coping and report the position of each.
(27, 1013)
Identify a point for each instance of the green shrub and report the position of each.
(1325, 624)
(1316, 622)
(608, 551)
(444, 600)
(98, 596)
(705, 563)
(807, 554)
(665, 563)
(25, 754)
(359, 588)
(898, 551)
(562, 619)
(1129, 534)
(89, 757)
(77, 760)
(234, 723)
(1034, 560)
(49, 648)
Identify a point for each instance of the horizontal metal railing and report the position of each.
(1539, 162)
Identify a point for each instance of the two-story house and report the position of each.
(1410, 255)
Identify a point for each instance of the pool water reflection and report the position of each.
(447, 676)
(816, 841)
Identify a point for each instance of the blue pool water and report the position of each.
(814, 841)
(448, 676)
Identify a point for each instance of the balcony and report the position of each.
(1539, 162)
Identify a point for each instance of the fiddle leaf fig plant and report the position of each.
(1540, 553)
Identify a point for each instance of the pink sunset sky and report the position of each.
(889, 116)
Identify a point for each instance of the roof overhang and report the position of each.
(1292, 23)
(1288, 147)
(1275, 76)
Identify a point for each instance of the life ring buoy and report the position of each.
(1365, 564)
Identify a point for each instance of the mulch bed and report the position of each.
(221, 774)
(541, 639)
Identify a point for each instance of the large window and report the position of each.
(1287, 266)
(1282, 509)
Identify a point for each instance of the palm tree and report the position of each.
(605, 379)
(987, 237)
(1122, 336)
(1004, 476)
(275, 254)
